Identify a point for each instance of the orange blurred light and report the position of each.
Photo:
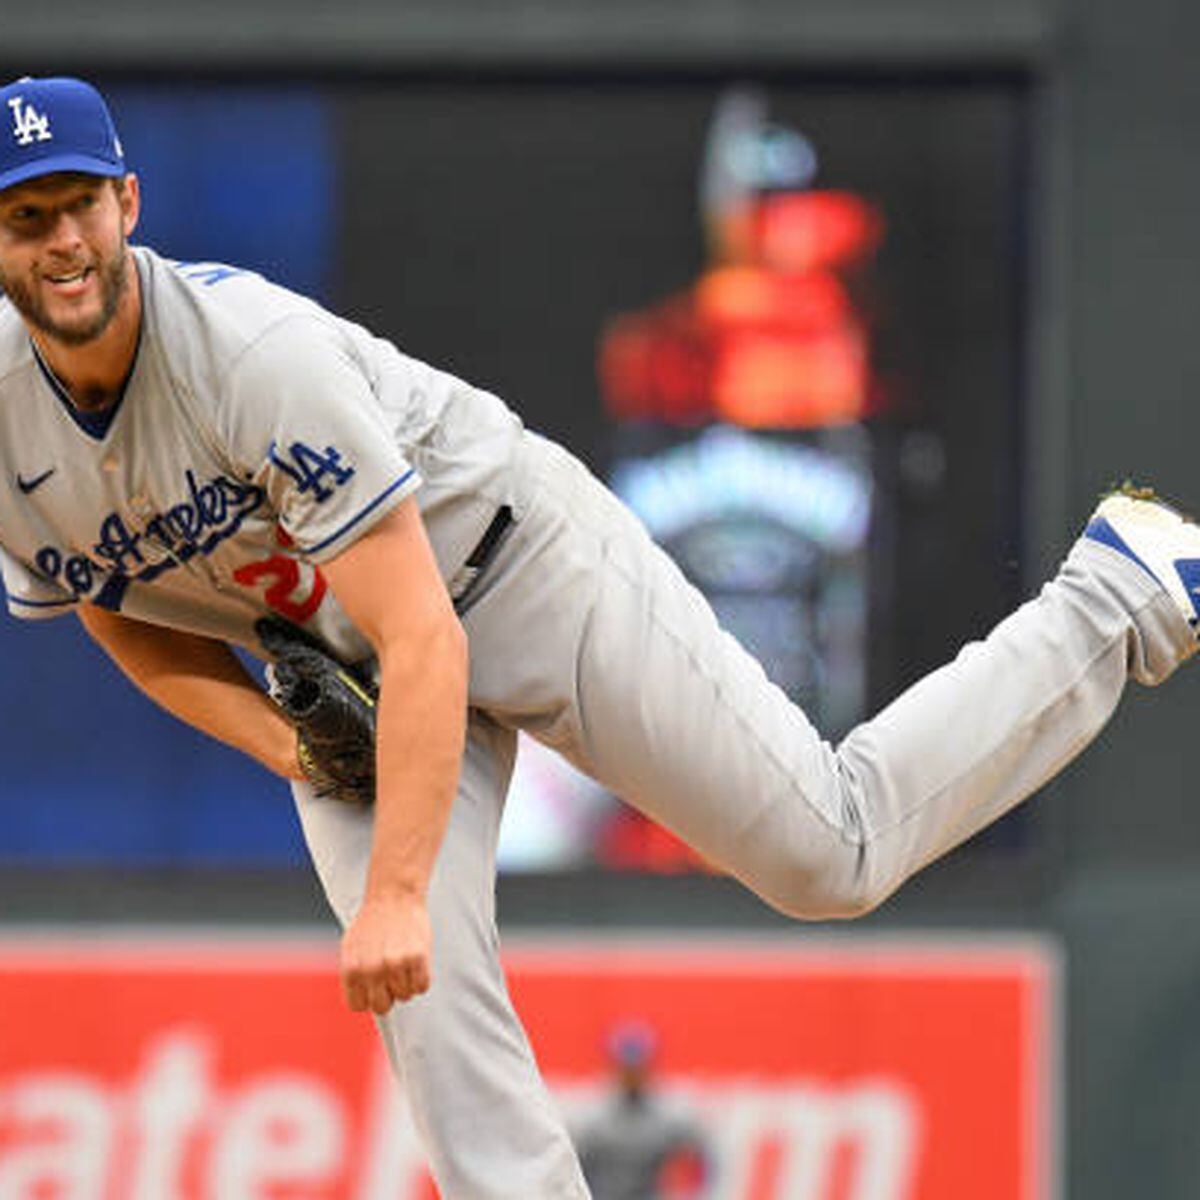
(771, 339)
(766, 381)
(815, 231)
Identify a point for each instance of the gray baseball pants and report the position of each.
(587, 636)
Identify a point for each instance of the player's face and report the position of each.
(64, 261)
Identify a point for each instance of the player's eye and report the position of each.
(23, 221)
(26, 221)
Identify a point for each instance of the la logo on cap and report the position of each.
(29, 125)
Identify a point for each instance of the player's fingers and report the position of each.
(409, 977)
(420, 976)
(398, 978)
(354, 988)
(379, 996)
(366, 987)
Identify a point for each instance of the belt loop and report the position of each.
(465, 577)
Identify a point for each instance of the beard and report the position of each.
(113, 277)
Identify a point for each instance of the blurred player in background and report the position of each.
(638, 1147)
(186, 449)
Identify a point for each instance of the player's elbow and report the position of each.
(437, 649)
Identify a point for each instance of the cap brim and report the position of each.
(56, 164)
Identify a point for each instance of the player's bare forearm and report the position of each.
(200, 681)
(389, 585)
(386, 954)
(421, 728)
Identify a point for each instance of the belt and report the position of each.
(468, 574)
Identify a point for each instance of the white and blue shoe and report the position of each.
(1160, 539)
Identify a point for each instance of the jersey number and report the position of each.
(284, 576)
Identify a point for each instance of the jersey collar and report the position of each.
(95, 424)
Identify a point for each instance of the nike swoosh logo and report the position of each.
(29, 485)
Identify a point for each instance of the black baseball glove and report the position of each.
(332, 708)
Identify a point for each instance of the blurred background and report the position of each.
(859, 305)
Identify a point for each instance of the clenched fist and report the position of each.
(385, 954)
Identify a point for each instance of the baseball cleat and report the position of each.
(1160, 539)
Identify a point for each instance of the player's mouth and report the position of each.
(69, 283)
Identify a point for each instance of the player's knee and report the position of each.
(844, 888)
(831, 869)
(846, 904)
(842, 904)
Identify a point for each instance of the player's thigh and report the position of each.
(588, 636)
(678, 719)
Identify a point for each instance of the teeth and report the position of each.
(68, 278)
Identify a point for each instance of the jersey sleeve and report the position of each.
(301, 420)
(30, 596)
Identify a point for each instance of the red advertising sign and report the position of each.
(228, 1069)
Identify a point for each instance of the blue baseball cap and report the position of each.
(49, 125)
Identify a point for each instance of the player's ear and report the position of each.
(130, 200)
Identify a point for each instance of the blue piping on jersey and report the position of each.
(337, 533)
(43, 603)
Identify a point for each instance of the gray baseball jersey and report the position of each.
(258, 436)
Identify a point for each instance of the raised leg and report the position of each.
(591, 638)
